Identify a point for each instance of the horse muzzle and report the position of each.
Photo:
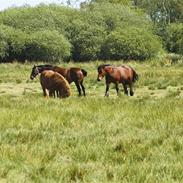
(31, 77)
(99, 79)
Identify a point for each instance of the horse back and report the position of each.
(76, 74)
(127, 73)
(60, 70)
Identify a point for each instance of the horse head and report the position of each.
(102, 70)
(35, 72)
(38, 69)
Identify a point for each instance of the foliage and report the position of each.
(39, 18)
(87, 44)
(41, 45)
(113, 16)
(48, 46)
(101, 20)
(123, 2)
(12, 43)
(85, 30)
(130, 43)
(174, 41)
(164, 12)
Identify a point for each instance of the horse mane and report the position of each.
(103, 65)
(45, 67)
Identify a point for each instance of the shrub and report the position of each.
(47, 46)
(41, 17)
(87, 41)
(174, 40)
(3, 48)
(131, 43)
(99, 30)
(12, 43)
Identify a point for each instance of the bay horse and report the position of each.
(54, 82)
(121, 74)
(72, 74)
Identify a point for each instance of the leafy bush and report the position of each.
(131, 43)
(87, 42)
(174, 40)
(114, 16)
(47, 46)
(39, 18)
(3, 48)
(51, 33)
(12, 43)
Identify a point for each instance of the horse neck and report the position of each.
(43, 68)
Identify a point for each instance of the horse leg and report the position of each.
(125, 89)
(83, 88)
(117, 89)
(78, 88)
(107, 90)
(44, 92)
(52, 93)
(57, 93)
(131, 90)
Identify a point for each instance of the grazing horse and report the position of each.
(122, 74)
(53, 81)
(72, 74)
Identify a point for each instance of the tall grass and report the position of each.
(93, 138)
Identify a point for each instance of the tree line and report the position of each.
(110, 29)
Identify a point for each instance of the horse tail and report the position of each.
(135, 76)
(84, 72)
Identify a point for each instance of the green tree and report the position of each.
(164, 11)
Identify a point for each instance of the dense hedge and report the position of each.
(98, 31)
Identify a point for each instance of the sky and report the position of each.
(4, 4)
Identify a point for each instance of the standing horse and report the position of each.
(72, 74)
(122, 74)
(53, 81)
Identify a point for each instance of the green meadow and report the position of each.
(93, 139)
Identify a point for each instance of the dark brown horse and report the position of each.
(72, 74)
(122, 74)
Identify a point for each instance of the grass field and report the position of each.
(92, 139)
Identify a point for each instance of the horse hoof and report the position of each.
(131, 93)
